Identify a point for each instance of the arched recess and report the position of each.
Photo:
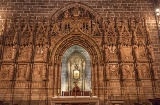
(89, 45)
(76, 58)
(80, 28)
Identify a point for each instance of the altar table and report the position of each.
(93, 100)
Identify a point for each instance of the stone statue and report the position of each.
(13, 52)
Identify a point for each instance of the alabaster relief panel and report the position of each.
(25, 53)
(23, 71)
(140, 53)
(41, 53)
(143, 70)
(113, 71)
(39, 72)
(126, 53)
(6, 72)
(111, 52)
(128, 71)
(8, 55)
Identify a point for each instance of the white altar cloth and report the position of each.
(94, 100)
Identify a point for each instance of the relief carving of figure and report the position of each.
(37, 72)
(4, 72)
(126, 53)
(39, 52)
(113, 71)
(8, 54)
(145, 71)
(112, 52)
(21, 71)
(126, 71)
(142, 52)
(13, 52)
(7, 71)
(23, 53)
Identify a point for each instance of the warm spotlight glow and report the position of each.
(157, 14)
(157, 10)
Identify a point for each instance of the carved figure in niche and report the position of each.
(126, 52)
(23, 53)
(96, 29)
(21, 71)
(13, 52)
(145, 71)
(136, 51)
(8, 54)
(4, 73)
(151, 52)
(111, 52)
(7, 71)
(37, 71)
(126, 71)
(45, 53)
(142, 53)
(39, 52)
(113, 71)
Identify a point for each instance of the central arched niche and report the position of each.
(78, 58)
